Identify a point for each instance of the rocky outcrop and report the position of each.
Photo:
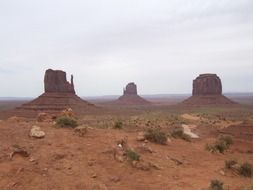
(59, 95)
(131, 89)
(207, 84)
(130, 96)
(207, 90)
(55, 81)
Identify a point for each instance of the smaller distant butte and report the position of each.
(130, 96)
(207, 90)
(59, 95)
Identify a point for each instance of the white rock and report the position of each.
(187, 131)
(37, 132)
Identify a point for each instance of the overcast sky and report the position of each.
(161, 45)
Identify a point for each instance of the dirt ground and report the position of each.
(64, 160)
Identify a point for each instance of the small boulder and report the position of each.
(81, 130)
(37, 132)
(44, 117)
(140, 136)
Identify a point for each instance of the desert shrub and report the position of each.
(156, 136)
(66, 122)
(221, 144)
(118, 125)
(227, 139)
(132, 155)
(246, 170)
(216, 185)
(230, 163)
(179, 133)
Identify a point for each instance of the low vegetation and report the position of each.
(132, 155)
(230, 163)
(216, 185)
(66, 122)
(156, 136)
(179, 133)
(118, 125)
(246, 169)
(221, 144)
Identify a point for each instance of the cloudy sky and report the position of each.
(161, 45)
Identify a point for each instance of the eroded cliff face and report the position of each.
(59, 95)
(55, 81)
(131, 88)
(207, 84)
(207, 90)
(131, 97)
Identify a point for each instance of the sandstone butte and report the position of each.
(131, 97)
(207, 90)
(59, 94)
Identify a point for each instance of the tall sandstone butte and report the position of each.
(207, 90)
(55, 81)
(207, 84)
(130, 96)
(59, 95)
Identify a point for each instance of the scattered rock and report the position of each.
(144, 148)
(37, 132)
(94, 175)
(67, 113)
(44, 117)
(140, 136)
(20, 151)
(222, 172)
(81, 130)
(188, 132)
(141, 165)
(15, 119)
(115, 179)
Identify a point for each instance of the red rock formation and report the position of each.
(131, 88)
(130, 96)
(55, 81)
(207, 84)
(59, 95)
(207, 90)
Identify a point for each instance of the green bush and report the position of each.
(118, 125)
(179, 133)
(227, 139)
(246, 170)
(221, 144)
(216, 185)
(230, 163)
(132, 155)
(156, 136)
(66, 122)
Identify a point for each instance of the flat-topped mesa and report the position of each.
(131, 89)
(207, 90)
(56, 81)
(207, 84)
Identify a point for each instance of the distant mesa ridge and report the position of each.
(131, 97)
(59, 94)
(207, 90)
